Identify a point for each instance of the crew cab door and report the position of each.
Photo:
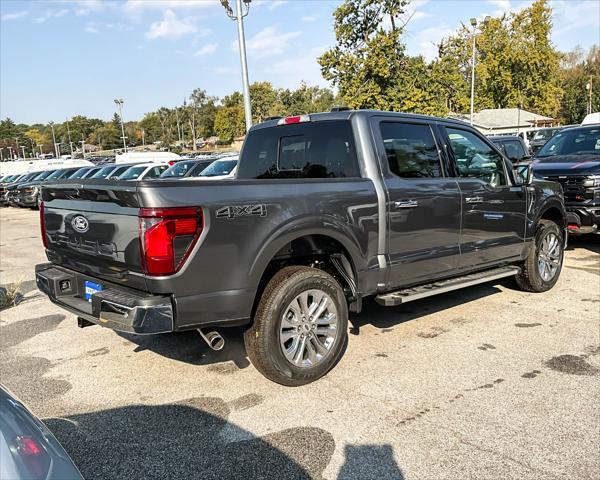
(423, 204)
(493, 210)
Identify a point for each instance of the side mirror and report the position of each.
(523, 174)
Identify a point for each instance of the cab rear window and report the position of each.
(307, 150)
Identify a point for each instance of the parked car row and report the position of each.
(24, 190)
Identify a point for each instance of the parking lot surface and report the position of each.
(487, 382)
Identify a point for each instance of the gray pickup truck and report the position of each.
(326, 210)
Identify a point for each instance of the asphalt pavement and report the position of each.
(484, 383)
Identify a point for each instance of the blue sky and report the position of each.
(66, 57)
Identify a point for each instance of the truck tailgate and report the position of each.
(92, 228)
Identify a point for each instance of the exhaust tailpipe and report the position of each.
(213, 339)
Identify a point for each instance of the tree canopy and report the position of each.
(517, 66)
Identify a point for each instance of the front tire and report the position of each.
(300, 327)
(543, 265)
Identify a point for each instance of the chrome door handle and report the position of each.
(474, 199)
(406, 204)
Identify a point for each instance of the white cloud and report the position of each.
(222, 70)
(270, 4)
(277, 3)
(571, 15)
(14, 16)
(308, 19)
(95, 27)
(50, 14)
(425, 42)
(170, 27)
(206, 50)
(269, 41)
(85, 7)
(135, 6)
(503, 5)
(415, 11)
(290, 72)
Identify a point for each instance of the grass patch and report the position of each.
(10, 295)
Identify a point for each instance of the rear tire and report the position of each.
(300, 326)
(541, 269)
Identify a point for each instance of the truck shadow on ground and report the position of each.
(387, 317)
(194, 439)
(189, 347)
(589, 242)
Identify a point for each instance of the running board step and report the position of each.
(422, 291)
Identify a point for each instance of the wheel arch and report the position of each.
(307, 246)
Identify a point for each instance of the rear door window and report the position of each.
(411, 150)
(514, 150)
(132, 173)
(307, 150)
(155, 172)
(475, 158)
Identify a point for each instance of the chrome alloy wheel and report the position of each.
(549, 256)
(308, 328)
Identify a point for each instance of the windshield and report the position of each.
(56, 174)
(218, 168)
(178, 170)
(544, 134)
(117, 171)
(103, 172)
(79, 173)
(572, 142)
(198, 168)
(131, 173)
(9, 178)
(44, 175)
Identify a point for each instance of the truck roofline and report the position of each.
(349, 114)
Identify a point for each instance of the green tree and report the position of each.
(264, 101)
(517, 65)
(152, 127)
(107, 136)
(577, 70)
(304, 99)
(229, 122)
(200, 113)
(368, 57)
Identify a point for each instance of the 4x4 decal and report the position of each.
(242, 211)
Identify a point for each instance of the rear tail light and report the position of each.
(43, 226)
(27, 446)
(295, 119)
(167, 237)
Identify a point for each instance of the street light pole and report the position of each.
(239, 17)
(57, 155)
(119, 102)
(143, 137)
(18, 147)
(69, 134)
(82, 145)
(588, 87)
(178, 128)
(474, 25)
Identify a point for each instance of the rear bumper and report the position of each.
(120, 309)
(27, 200)
(583, 219)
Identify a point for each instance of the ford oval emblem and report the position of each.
(80, 224)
